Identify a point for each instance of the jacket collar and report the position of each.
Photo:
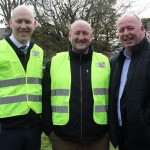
(140, 47)
(77, 55)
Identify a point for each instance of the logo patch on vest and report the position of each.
(101, 65)
(36, 54)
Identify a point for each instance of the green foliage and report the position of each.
(54, 18)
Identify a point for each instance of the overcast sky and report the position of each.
(140, 5)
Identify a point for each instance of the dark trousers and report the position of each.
(21, 139)
(59, 144)
(122, 139)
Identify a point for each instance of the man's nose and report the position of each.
(23, 24)
(126, 32)
(81, 36)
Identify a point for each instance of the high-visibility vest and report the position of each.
(20, 90)
(61, 85)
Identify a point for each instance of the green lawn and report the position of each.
(46, 145)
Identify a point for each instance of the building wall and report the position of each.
(148, 35)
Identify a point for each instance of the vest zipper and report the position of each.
(81, 95)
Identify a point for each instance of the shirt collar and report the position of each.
(126, 55)
(18, 44)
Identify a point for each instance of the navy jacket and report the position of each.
(135, 100)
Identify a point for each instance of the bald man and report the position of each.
(129, 103)
(75, 95)
(20, 84)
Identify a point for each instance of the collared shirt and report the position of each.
(18, 44)
(122, 84)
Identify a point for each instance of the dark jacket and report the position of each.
(135, 100)
(30, 119)
(81, 127)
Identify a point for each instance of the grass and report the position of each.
(46, 144)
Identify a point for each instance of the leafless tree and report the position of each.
(6, 7)
(54, 18)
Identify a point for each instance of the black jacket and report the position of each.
(30, 119)
(135, 100)
(81, 127)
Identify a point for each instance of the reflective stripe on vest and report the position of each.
(64, 109)
(60, 109)
(13, 82)
(101, 108)
(58, 92)
(20, 91)
(60, 88)
(19, 98)
(100, 91)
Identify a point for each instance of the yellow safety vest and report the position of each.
(20, 90)
(61, 85)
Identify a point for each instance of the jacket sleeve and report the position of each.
(46, 101)
(147, 105)
(147, 114)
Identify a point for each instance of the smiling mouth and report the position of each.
(128, 38)
(22, 32)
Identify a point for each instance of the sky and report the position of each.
(140, 5)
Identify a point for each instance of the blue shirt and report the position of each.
(122, 84)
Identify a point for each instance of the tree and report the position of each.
(54, 18)
(6, 8)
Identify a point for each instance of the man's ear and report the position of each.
(10, 23)
(69, 36)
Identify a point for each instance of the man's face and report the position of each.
(22, 24)
(80, 37)
(130, 31)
